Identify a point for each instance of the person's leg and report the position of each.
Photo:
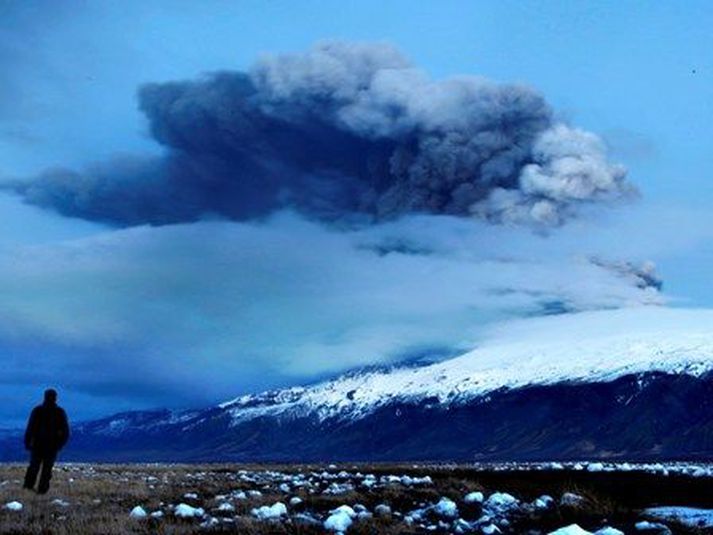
(32, 470)
(46, 474)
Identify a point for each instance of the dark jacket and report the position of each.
(47, 428)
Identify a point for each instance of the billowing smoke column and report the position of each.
(342, 130)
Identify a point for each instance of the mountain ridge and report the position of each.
(623, 384)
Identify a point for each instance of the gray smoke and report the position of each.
(342, 130)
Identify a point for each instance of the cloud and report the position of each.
(189, 312)
(343, 130)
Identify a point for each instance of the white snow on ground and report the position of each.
(659, 529)
(499, 509)
(572, 529)
(186, 511)
(137, 512)
(446, 508)
(270, 512)
(689, 516)
(474, 497)
(662, 469)
(587, 346)
(13, 506)
(544, 502)
(500, 503)
(339, 519)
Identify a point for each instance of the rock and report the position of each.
(304, 519)
(570, 499)
(382, 510)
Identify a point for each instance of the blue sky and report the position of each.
(638, 74)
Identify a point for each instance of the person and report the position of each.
(47, 433)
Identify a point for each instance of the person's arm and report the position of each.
(63, 429)
(30, 430)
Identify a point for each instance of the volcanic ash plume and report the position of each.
(342, 131)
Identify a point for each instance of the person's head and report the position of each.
(50, 396)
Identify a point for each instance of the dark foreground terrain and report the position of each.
(363, 498)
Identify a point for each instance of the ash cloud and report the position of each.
(210, 309)
(343, 130)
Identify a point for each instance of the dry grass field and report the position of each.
(99, 498)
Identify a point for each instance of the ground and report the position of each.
(99, 498)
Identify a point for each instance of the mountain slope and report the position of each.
(591, 347)
(634, 384)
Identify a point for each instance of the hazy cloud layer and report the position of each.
(204, 311)
(343, 129)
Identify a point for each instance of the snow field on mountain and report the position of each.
(587, 346)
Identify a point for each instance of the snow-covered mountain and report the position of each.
(589, 346)
(631, 383)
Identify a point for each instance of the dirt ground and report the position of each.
(98, 498)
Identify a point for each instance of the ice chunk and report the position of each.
(474, 497)
(184, 510)
(570, 499)
(544, 502)
(210, 522)
(270, 512)
(653, 527)
(137, 512)
(446, 508)
(689, 516)
(572, 529)
(500, 503)
(343, 509)
(338, 521)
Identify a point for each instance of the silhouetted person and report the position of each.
(47, 433)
